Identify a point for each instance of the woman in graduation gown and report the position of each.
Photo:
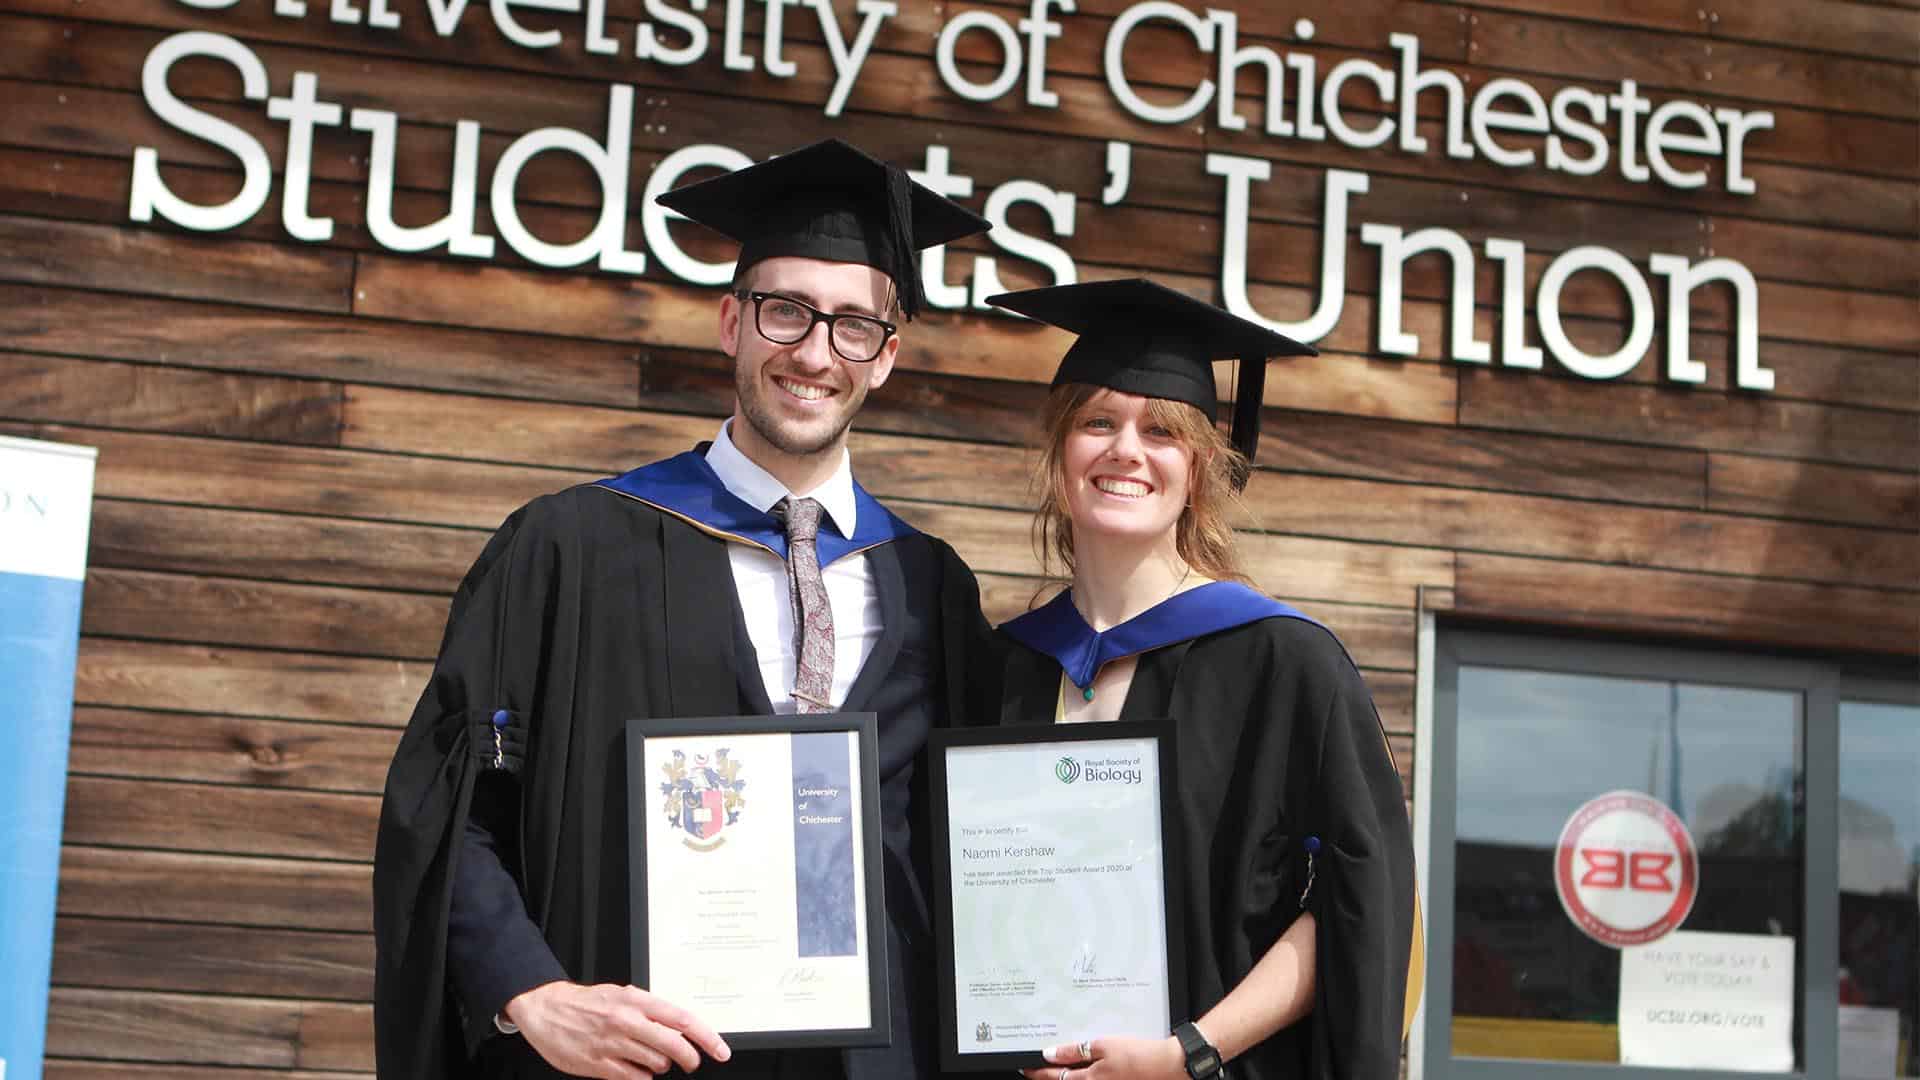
(1290, 841)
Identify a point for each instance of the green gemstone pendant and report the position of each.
(1087, 693)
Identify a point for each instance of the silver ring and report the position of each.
(1086, 1051)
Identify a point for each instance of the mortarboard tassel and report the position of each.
(906, 266)
(1246, 414)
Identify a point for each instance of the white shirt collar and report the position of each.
(757, 487)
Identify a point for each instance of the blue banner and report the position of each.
(46, 493)
(823, 843)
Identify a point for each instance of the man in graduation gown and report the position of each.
(500, 875)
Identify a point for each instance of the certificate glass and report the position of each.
(755, 876)
(1054, 893)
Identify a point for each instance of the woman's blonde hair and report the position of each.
(1202, 537)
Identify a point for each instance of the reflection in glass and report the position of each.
(1879, 889)
(1533, 747)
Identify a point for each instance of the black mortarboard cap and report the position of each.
(1140, 337)
(829, 201)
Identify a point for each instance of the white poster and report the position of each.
(1701, 1000)
(46, 506)
(1869, 1042)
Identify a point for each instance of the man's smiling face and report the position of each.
(798, 400)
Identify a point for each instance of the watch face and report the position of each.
(1204, 1063)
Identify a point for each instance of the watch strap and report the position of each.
(1203, 1061)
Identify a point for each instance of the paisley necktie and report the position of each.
(812, 618)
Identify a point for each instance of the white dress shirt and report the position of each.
(760, 579)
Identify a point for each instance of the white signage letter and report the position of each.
(1595, 106)
(608, 237)
(1239, 171)
(943, 55)
(1681, 281)
(1395, 249)
(446, 15)
(1486, 116)
(1059, 208)
(150, 193)
(646, 44)
(1639, 318)
(734, 53)
(520, 35)
(1115, 65)
(1232, 58)
(1382, 80)
(654, 217)
(455, 229)
(772, 35)
(597, 40)
(848, 62)
(1039, 27)
(1412, 82)
(302, 111)
(1302, 65)
(1514, 350)
(933, 260)
(1738, 124)
(1704, 139)
(1630, 105)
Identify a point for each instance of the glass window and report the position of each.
(1879, 853)
(1532, 747)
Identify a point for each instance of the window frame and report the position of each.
(1871, 687)
(1819, 685)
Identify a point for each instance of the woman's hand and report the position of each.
(1117, 1058)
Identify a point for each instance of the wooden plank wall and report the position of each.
(302, 446)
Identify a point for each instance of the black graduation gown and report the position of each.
(1276, 740)
(588, 608)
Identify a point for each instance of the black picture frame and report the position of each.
(871, 887)
(945, 739)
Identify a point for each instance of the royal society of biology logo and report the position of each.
(1110, 770)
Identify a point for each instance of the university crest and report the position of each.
(702, 796)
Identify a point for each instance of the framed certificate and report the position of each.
(1052, 889)
(755, 875)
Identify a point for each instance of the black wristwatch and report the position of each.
(1203, 1061)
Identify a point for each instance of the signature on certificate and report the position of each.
(1086, 962)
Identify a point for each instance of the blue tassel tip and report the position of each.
(501, 717)
(1312, 844)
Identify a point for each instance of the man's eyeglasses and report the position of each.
(785, 321)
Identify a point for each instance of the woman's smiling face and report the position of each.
(1126, 474)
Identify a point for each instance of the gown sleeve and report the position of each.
(1362, 893)
(461, 728)
(494, 950)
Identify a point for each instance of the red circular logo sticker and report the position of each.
(1626, 869)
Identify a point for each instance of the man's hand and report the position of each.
(1116, 1058)
(611, 1032)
